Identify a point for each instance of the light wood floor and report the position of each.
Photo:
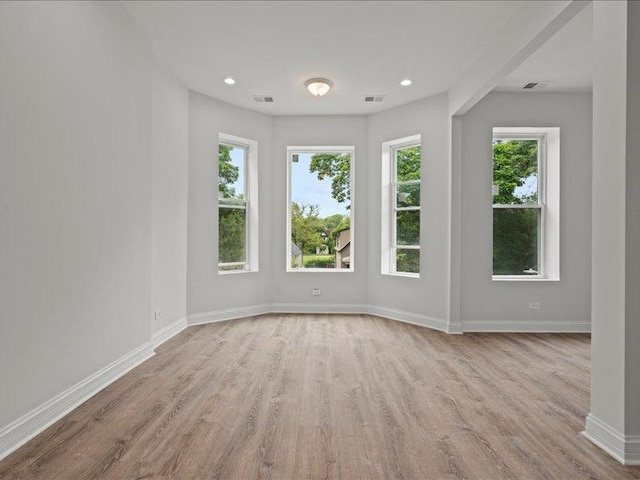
(344, 396)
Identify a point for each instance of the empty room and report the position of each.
(320, 239)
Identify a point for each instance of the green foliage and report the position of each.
(231, 235)
(336, 222)
(408, 164)
(513, 162)
(408, 161)
(319, 261)
(228, 173)
(515, 240)
(332, 226)
(515, 230)
(408, 227)
(408, 260)
(231, 221)
(306, 227)
(337, 167)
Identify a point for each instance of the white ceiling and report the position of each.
(565, 60)
(364, 47)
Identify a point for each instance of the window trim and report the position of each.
(250, 203)
(291, 150)
(548, 200)
(389, 208)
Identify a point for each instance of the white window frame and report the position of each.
(351, 150)
(548, 199)
(389, 208)
(250, 205)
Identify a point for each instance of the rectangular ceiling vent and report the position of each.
(262, 98)
(535, 85)
(374, 98)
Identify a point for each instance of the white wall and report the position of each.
(74, 195)
(609, 150)
(169, 169)
(632, 307)
(206, 290)
(346, 288)
(614, 420)
(566, 301)
(427, 295)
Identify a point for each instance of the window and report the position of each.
(525, 203)
(320, 234)
(401, 177)
(237, 210)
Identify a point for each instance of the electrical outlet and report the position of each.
(316, 292)
(158, 314)
(534, 305)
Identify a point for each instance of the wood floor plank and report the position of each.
(287, 396)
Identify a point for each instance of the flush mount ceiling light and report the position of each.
(230, 81)
(318, 86)
(406, 82)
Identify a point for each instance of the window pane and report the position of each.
(408, 260)
(408, 164)
(408, 195)
(320, 193)
(231, 172)
(515, 171)
(231, 235)
(515, 241)
(408, 227)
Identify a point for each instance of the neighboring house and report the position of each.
(296, 256)
(343, 249)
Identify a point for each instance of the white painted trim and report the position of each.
(351, 150)
(228, 314)
(388, 206)
(318, 308)
(521, 326)
(171, 330)
(252, 260)
(408, 317)
(624, 448)
(19, 432)
(455, 327)
(393, 314)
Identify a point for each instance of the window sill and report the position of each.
(235, 272)
(320, 270)
(400, 274)
(507, 278)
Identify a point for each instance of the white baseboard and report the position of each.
(228, 314)
(408, 317)
(455, 327)
(318, 308)
(523, 326)
(393, 314)
(19, 432)
(171, 330)
(624, 448)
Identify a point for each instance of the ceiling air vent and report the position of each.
(262, 98)
(374, 98)
(535, 85)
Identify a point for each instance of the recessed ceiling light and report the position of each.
(230, 81)
(406, 82)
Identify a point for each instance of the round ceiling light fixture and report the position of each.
(318, 86)
(406, 82)
(229, 80)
